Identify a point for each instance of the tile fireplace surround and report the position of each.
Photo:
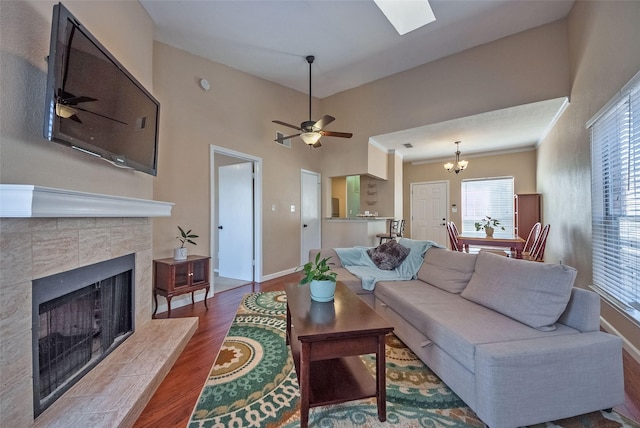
(45, 231)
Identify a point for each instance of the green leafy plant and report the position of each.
(487, 222)
(318, 270)
(186, 237)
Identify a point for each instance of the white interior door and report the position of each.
(235, 221)
(429, 202)
(310, 213)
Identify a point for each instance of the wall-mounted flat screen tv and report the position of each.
(93, 104)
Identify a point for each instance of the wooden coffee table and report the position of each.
(326, 340)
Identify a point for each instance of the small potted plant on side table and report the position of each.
(488, 224)
(321, 279)
(180, 253)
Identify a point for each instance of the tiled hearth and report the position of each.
(115, 391)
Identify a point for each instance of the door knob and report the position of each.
(220, 227)
(304, 225)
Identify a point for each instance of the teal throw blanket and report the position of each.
(357, 261)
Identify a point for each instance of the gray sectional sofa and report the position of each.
(514, 339)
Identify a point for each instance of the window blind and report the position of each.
(615, 194)
(491, 197)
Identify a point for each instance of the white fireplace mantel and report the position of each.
(23, 200)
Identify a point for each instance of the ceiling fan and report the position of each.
(310, 131)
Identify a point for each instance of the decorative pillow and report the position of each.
(389, 255)
(534, 293)
(447, 270)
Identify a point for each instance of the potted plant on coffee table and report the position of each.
(321, 279)
(180, 253)
(488, 224)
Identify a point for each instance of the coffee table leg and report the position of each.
(288, 325)
(381, 378)
(304, 385)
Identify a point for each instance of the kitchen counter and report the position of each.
(343, 232)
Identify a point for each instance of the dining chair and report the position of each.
(392, 233)
(452, 229)
(453, 236)
(401, 228)
(537, 251)
(531, 239)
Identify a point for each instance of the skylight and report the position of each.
(406, 15)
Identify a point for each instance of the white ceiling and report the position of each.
(354, 44)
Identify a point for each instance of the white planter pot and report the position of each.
(180, 254)
(322, 291)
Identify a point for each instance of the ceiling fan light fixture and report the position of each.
(64, 111)
(310, 138)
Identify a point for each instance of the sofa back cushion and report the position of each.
(533, 293)
(447, 270)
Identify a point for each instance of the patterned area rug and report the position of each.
(253, 384)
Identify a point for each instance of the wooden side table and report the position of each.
(174, 277)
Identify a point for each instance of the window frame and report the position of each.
(485, 207)
(615, 200)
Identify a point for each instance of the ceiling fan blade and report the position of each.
(336, 134)
(66, 98)
(77, 100)
(317, 144)
(324, 121)
(280, 140)
(101, 115)
(286, 124)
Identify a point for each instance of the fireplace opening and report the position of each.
(79, 317)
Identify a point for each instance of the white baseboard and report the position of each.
(278, 274)
(628, 346)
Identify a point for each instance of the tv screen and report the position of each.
(93, 104)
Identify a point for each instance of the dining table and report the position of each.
(514, 242)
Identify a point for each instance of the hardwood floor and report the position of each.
(173, 402)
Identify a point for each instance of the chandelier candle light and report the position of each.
(460, 165)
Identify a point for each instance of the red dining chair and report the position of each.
(537, 252)
(453, 236)
(531, 239)
(452, 229)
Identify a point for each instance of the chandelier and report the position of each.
(460, 165)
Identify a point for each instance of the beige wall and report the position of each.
(577, 57)
(26, 157)
(603, 39)
(521, 166)
(235, 114)
(520, 69)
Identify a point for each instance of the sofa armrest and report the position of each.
(565, 375)
(583, 311)
(334, 260)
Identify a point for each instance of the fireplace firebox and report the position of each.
(79, 317)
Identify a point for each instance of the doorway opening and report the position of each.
(236, 220)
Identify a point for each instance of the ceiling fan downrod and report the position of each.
(310, 60)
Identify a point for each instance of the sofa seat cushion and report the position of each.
(446, 269)
(533, 293)
(455, 324)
